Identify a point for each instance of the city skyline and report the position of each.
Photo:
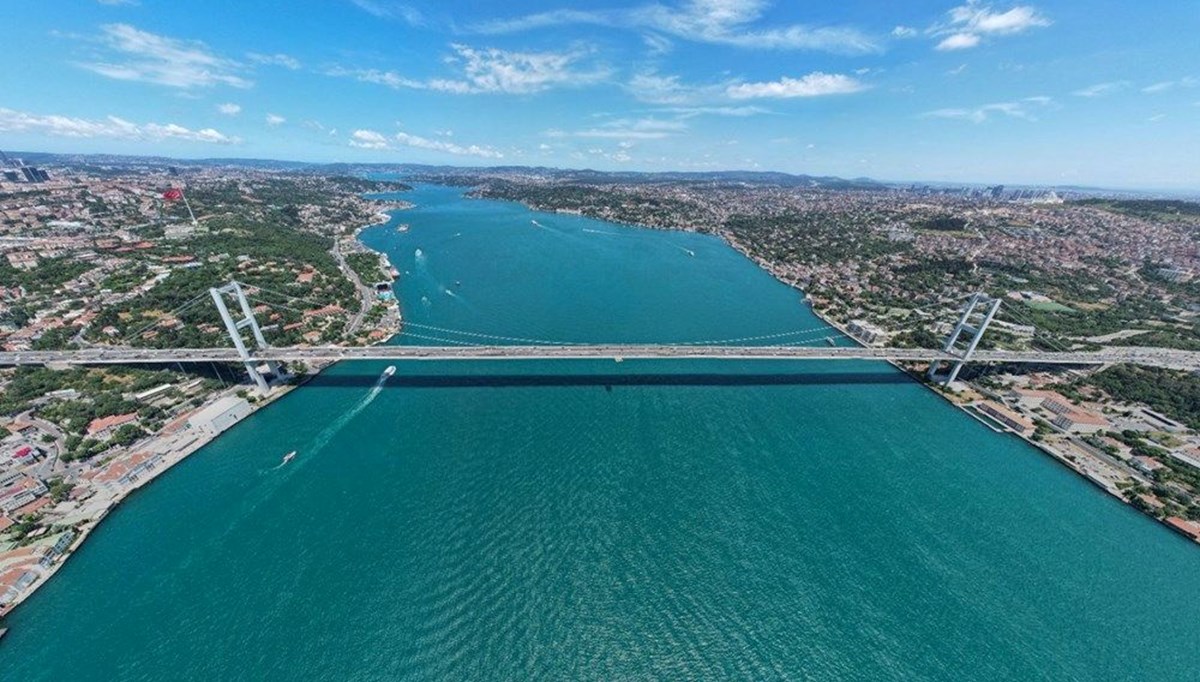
(1050, 92)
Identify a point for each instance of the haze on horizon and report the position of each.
(1046, 92)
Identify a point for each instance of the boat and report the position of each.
(830, 341)
(535, 223)
(458, 282)
(402, 227)
(389, 371)
(288, 457)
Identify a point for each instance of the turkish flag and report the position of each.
(173, 194)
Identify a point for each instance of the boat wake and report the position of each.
(338, 424)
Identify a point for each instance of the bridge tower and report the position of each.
(973, 322)
(235, 327)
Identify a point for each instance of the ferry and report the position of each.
(389, 371)
(288, 457)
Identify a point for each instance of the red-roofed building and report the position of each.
(25, 490)
(1188, 528)
(105, 426)
(324, 312)
(32, 507)
(127, 470)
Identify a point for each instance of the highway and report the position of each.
(1155, 357)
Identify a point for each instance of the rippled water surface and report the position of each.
(597, 520)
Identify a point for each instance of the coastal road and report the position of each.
(366, 295)
(1155, 357)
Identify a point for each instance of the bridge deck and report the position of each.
(1157, 357)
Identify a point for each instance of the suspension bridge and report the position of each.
(260, 358)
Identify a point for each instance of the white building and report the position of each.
(866, 332)
(219, 416)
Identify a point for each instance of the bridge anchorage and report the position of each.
(974, 321)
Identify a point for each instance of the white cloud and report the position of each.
(370, 139)
(630, 129)
(137, 55)
(389, 9)
(904, 32)
(1101, 89)
(1186, 82)
(969, 23)
(65, 126)
(277, 59)
(815, 84)
(659, 89)
(492, 70)
(274, 120)
(1022, 110)
(229, 109)
(739, 111)
(723, 22)
(958, 41)
(657, 45)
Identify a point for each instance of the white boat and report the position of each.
(389, 371)
(288, 457)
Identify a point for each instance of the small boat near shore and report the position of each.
(402, 228)
(389, 371)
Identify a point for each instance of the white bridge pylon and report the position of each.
(976, 316)
(235, 327)
(978, 313)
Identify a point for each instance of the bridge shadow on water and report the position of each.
(399, 380)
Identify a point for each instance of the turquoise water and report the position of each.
(605, 521)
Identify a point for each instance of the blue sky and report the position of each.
(1098, 92)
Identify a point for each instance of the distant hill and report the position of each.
(571, 175)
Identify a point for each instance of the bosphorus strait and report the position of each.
(598, 520)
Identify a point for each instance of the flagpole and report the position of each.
(189, 206)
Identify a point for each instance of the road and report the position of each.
(52, 464)
(1156, 357)
(366, 294)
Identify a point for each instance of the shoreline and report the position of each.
(160, 439)
(169, 461)
(1060, 457)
